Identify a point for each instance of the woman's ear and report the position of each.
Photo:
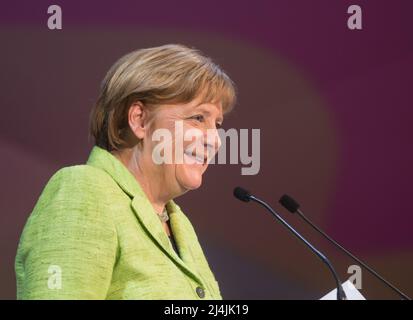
(137, 119)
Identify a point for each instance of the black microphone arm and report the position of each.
(243, 195)
(292, 206)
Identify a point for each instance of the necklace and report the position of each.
(163, 216)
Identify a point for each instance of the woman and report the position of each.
(110, 229)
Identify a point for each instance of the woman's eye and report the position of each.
(198, 117)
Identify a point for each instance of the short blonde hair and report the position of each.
(169, 74)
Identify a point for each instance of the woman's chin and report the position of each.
(189, 178)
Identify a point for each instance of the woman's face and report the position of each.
(194, 142)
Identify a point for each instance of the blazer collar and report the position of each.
(143, 209)
(104, 160)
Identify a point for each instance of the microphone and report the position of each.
(244, 195)
(293, 206)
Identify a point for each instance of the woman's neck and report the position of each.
(148, 180)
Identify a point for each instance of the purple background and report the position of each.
(333, 106)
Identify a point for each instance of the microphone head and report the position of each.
(242, 194)
(289, 203)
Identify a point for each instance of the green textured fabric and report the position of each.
(93, 234)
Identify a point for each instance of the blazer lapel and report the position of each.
(182, 234)
(153, 226)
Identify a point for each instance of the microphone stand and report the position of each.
(292, 206)
(340, 291)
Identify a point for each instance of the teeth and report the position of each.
(197, 159)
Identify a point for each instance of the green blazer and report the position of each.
(93, 234)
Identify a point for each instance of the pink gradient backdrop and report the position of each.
(333, 106)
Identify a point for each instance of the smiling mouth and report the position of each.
(198, 159)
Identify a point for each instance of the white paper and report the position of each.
(351, 292)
